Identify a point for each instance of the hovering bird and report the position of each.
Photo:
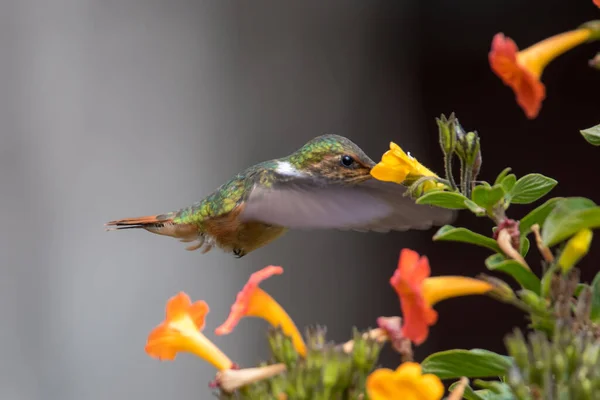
(326, 184)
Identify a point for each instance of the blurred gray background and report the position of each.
(122, 108)
(116, 109)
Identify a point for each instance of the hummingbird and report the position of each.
(326, 184)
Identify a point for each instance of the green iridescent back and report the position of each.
(228, 196)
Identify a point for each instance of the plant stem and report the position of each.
(449, 176)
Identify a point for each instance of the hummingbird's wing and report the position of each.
(369, 206)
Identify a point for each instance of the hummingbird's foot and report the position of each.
(239, 253)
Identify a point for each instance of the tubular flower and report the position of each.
(406, 382)
(575, 249)
(522, 70)
(418, 293)
(181, 332)
(252, 301)
(400, 167)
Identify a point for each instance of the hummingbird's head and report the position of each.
(333, 158)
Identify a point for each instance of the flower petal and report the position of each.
(441, 288)
(418, 317)
(528, 89)
(177, 305)
(384, 172)
(406, 383)
(159, 343)
(244, 297)
(380, 384)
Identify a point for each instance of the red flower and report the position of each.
(252, 301)
(418, 293)
(522, 70)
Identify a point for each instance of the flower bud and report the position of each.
(575, 249)
(447, 133)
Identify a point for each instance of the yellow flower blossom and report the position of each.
(407, 382)
(575, 249)
(402, 168)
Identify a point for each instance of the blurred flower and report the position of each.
(522, 70)
(252, 301)
(233, 379)
(418, 293)
(406, 382)
(575, 249)
(399, 167)
(181, 332)
(597, 2)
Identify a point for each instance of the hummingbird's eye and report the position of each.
(347, 161)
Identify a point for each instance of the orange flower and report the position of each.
(597, 2)
(252, 301)
(418, 293)
(406, 382)
(522, 70)
(181, 332)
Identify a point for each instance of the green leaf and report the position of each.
(450, 200)
(487, 197)
(469, 393)
(580, 287)
(537, 216)
(502, 392)
(475, 209)
(592, 135)
(524, 246)
(595, 313)
(452, 234)
(501, 175)
(530, 188)
(497, 390)
(527, 279)
(568, 217)
(475, 363)
(508, 182)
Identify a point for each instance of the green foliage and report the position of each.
(568, 217)
(530, 188)
(327, 372)
(450, 233)
(450, 200)
(525, 278)
(595, 308)
(487, 197)
(475, 363)
(493, 391)
(592, 135)
(537, 216)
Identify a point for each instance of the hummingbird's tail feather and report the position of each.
(162, 224)
(147, 221)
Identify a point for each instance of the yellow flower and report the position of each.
(252, 301)
(181, 332)
(407, 383)
(575, 249)
(399, 167)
